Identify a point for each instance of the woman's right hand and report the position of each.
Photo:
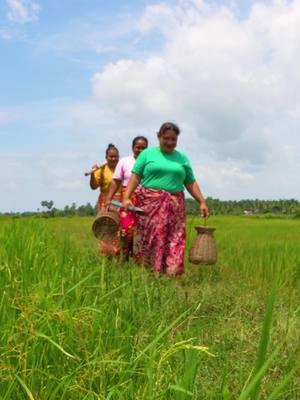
(95, 167)
(204, 209)
(127, 203)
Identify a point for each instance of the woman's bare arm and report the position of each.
(94, 184)
(132, 185)
(194, 190)
(113, 188)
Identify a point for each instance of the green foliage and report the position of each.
(47, 204)
(296, 212)
(246, 207)
(268, 208)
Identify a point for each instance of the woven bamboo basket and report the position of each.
(204, 249)
(106, 224)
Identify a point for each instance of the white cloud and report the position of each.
(231, 84)
(12, 186)
(235, 83)
(70, 185)
(141, 90)
(225, 179)
(27, 178)
(223, 175)
(22, 11)
(92, 35)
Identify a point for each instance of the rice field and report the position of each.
(75, 325)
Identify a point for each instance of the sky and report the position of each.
(76, 75)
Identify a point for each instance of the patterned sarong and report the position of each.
(162, 241)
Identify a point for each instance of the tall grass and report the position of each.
(78, 326)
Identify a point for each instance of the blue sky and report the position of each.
(76, 75)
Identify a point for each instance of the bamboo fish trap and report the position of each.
(106, 224)
(204, 249)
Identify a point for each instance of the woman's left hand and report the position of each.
(204, 210)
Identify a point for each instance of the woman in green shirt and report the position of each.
(163, 173)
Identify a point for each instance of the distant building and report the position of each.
(248, 211)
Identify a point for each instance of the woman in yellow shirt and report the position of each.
(101, 177)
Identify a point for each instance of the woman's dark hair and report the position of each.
(137, 138)
(111, 147)
(168, 126)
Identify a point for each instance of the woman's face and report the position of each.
(168, 141)
(112, 158)
(138, 147)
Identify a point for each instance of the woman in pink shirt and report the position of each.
(128, 230)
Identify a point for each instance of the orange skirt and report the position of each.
(111, 246)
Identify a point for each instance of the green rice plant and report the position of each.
(251, 391)
(75, 325)
(185, 387)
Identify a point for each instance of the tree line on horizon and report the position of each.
(288, 207)
(246, 206)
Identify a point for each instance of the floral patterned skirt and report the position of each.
(162, 242)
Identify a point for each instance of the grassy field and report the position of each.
(78, 326)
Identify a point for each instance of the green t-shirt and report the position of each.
(163, 171)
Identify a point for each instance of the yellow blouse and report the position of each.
(103, 177)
